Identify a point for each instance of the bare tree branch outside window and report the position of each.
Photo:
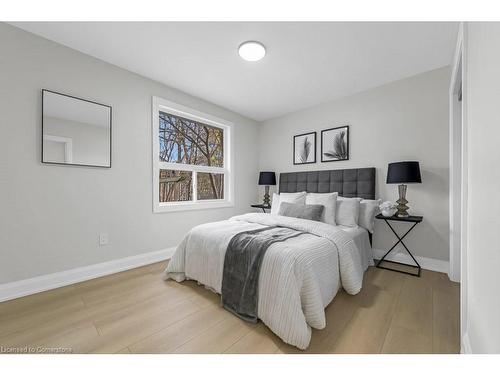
(185, 141)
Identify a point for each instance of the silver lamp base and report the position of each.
(267, 198)
(402, 207)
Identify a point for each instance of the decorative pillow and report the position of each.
(368, 208)
(301, 211)
(329, 201)
(347, 211)
(299, 198)
(275, 204)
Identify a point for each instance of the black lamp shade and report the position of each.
(267, 178)
(403, 172)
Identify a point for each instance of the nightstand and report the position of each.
(262, 206)
(412, 220)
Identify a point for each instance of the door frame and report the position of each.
(68, 146)
(455, 143)
(458, 252)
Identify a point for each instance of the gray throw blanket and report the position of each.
(242, 262)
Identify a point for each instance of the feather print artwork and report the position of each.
(304, 148)
(335, 144)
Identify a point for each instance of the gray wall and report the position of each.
(51, 215)
(483, 133)
(405, 120)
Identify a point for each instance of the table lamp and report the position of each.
(403, 172)
(266, 179)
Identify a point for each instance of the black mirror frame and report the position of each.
(110, 132)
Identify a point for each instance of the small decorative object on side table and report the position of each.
(266, 179)
(264, 207)
(408, 219)
(388, 209)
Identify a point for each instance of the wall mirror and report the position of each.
(75, 131)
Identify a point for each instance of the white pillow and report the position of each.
(368, 208)
(347, 211)
(329, 201)
(299, 198)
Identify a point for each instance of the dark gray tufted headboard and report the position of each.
(359, 182)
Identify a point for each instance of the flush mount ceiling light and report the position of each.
(252, 51)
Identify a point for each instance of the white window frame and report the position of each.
(160, 104)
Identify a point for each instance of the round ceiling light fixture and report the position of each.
(252, 51)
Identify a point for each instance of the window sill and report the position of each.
(175, 207)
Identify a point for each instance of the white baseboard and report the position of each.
(42, 283)
(430, 264)
(465, 347)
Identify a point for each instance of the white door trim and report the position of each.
(458, 253)
(455, 127)
(68, 145)
(464, 271)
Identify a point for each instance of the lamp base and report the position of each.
(267, 198)
(402, 207)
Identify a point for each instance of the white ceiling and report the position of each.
(306, 63)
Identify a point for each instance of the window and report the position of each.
(191, 159)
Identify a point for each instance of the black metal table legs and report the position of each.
(400, 240)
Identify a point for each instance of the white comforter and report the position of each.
(298, 277)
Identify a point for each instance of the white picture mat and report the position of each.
(327, 142)
(299, 155)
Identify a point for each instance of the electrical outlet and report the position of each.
(103, 239)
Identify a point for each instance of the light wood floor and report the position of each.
(137, 312)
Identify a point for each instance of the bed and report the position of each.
(298, 277)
